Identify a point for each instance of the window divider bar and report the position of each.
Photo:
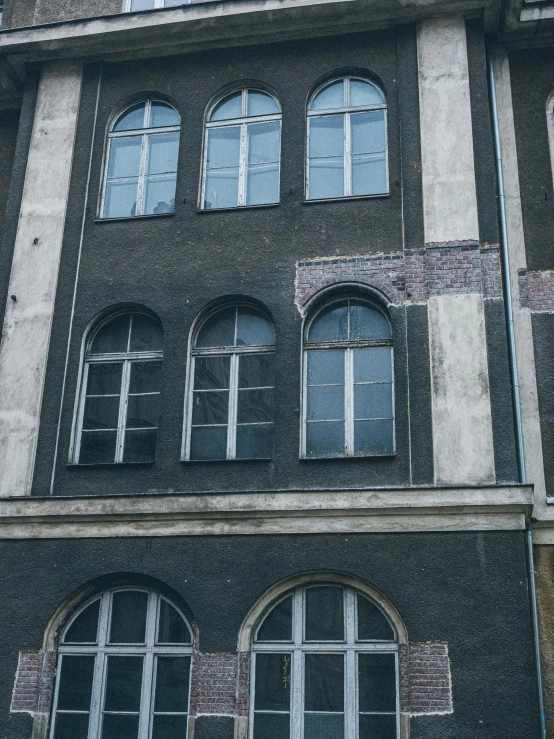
(233, 410)
(347, 159)
(123, 405)
(349, 401)
(243, 155)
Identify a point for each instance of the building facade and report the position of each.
(276, 381)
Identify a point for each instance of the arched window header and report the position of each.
(347, 93)
(245, 103)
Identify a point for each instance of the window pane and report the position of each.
(367, 322)
(326, 403)
(372, 401)
(210, 408)
(223, 147)
(97, 447)
(146, 377)
(208, 442)
(325, 439)
(164, 115)
(104, 379)
(326, 367)
(368, 132)
(260, 103)
(83, 629)
(169, 727)
(140, 446)
(128, 622)
(277, 625)
(364, 93)
(146, 335)
(323, 726)
(273, 675)
(160, 194)
(112, 337)
(330, 324)
(75, 689)
(257, 370)
(133, 118)
(229, 107)
(254, 406)
(254, 442)
(373, 364)
(143, 411)
(326, 178)
(121, 199)
(175, 3)
(125, 157)
(120, 727)
(123, 683)
(272, 726)
(378, 727)
(377, 682)
(172, 684)
(324, 616)
(331, 96)
(324, 682)
(327, 136)
(254, 329)
(369, 174)
(101, 413)
(263, 142)
(222, 188)
(212, 373)
(372, 623)
(262, 184)
(373, 437)
(163, 150)
(172, 628)
(71, 726)
(218, 330)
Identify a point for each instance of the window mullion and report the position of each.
(349, 401)
(233, 407)
(242, 163)
(142, 174)
(123, 404)
(350, 612)
(347, 156)
(297, 695)
(98, 689)
(81, 416)
(350, 694)
(146, 696)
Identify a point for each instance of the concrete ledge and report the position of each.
(385, 510)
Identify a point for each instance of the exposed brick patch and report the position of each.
(413, 276)
(215, 684)
(34, 682)
(425, 679)
(536, 290)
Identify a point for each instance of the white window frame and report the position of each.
(298, 648)
(127, 359)
(346, 111)
(101, 650)
(349, 347)
(145, 134)
(244, 121)
(157, 4)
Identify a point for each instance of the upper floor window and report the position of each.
(123, 669)
(348, 385)
(1, 10)
(141, 161)
(230, 402)
(347, 140)
(132, 5)
(242, 151)
(120, 397)
(325, 665)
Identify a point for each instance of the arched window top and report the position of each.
(127, 333)
(235, 326)
(349, 320)
(146, 114)
(347, 93)
(245, 103)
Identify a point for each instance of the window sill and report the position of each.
(225, 461)
(145, 217)
(347, 199)
(238, 207)
(107, 465)
(390, 455)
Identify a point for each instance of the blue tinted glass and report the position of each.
(330, 324)
(229, 107)
(330, 97)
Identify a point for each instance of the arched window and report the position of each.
(230, 408)
(123, 669)
(242, 151)
(348, 387)
(347, 140)
(325, 665)
(141, 161)
(120, 397)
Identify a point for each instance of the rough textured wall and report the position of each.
(48, 12)
(543, 340)
(9, 122)
(544, 567)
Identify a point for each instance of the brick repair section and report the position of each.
(536, 290)
(452, 268)
(425, 679)
(34, 683)
(219, 684)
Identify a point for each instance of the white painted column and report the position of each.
(462, 422)
(34, 273)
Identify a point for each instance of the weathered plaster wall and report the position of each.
(9, 122)
(49, 12)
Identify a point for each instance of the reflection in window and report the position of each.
(230, 408)
(242, 151)
(141, 169)
(325, 665)
(134, 5)
(123, 666)
(118, 413)
(348, 388)
(347, 140)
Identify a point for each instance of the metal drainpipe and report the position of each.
(514, 373)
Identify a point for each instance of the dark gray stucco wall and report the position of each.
(49, 12)
(9, 123)
(466, 589)
(543, 340)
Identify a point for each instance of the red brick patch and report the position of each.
(536, 290)
(425, 680)
(34, 682)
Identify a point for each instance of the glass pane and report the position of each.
(324, 675)
(364, 93)
(169, 727)
(140, 446)
(277, 625)
(255, 406)
(372, 401)
(160, 194)
(323, 726)
(273, 675)
(143, 411)
(377, 682)
(163, 151)
(133, 118)
(257, 370)
(97, 447)
(71, 726)
(172, 684)
(222, 188)
(373, 437)
(210, 408)
(123, 683)
(223, 147)
(128, 621)
(260, 103)
(146, 377)
(326, 403)
(372, 623)
(163, 115)
(263, 142)
(324, 617)
(262, 184)
(125, 157)
(75, 689)
(367, 322)
(172, 629)
(272, 726)
(368, 132)
(146, 335)
(253, 329)
(330, 324)
(175, 3)
(101, 413)
(212, 373)
(327, 136)
(331, 96)
(378, 727)
(373, 364)
(326, 178)
(326, 367)
(218, 330)
(121, 199)
(369, 174)
(254, 442)
(104, 379)
(325, 439)
(83, 630)
(112, 337)
(229, 107)
(120, 727)
(208, 443)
